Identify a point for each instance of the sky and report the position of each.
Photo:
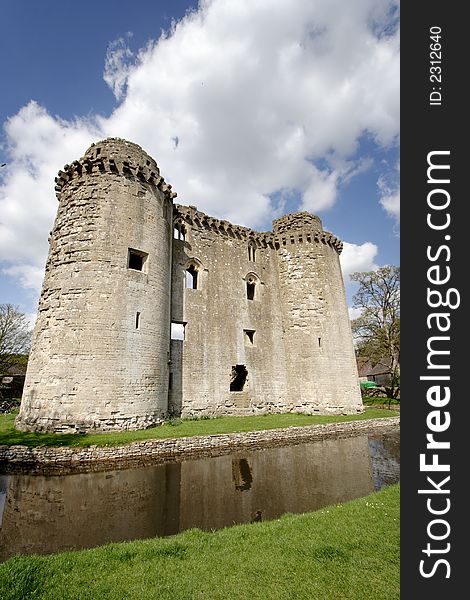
(251, 108)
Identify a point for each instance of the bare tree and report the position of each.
(377, 330)
(15, 335)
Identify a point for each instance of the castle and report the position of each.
(150, 309)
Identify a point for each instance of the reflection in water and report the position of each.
(44, 514)
(385, 454)
(241, 474)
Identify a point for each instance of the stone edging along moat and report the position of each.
(97, 458)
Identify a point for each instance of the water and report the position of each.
(44, 514)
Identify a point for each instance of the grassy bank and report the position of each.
(379, 401)
(179, 428)
(348, 551)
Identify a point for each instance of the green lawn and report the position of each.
(345, 552)
(379, 401)
(180, 428)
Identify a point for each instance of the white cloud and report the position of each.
(257, 94)
(389, 187)
(39, 146)
(29, 276)
(357, 258)
(354, 312)
(118, 65)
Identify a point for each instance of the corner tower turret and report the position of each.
(321, 367)
(99, 357)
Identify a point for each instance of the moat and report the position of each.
(45, 514)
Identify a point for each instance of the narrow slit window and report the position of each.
(137, 320)
(136, 260)
(191, 278)
(319, 342)
(238, 377)
(250, 289)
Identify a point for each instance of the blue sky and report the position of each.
(251, 108)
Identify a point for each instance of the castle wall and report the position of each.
(266, 326)
(321, 366)
(220, 319)
(101, 342)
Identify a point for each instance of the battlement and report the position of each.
(293, 228)
(199, 220)
(118, 156)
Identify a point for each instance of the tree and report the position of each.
(15, 335)
(377, 329)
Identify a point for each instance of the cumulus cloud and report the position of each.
(256, 94)
(389, 187)
(118, 65)
(357, 258)
(39, 146)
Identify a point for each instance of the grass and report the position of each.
(378, 401)
(178, 428)
(346, 552)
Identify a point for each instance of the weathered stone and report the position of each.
(269, 307)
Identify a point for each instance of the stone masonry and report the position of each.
(151, 309)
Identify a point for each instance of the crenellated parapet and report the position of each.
(115, 156)
(298, 220)
(294, 228)
(194, 218)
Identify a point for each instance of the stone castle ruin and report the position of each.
(150, 309)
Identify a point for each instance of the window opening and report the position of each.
(178, 331)
(250, 289)
(136, 259)
(251, 253)
(137, 320)
(179, 232)
(191, 277)
(238, 378)
(249, 336)
(319, 342)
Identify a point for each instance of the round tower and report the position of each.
(99, 357)
(321, 366)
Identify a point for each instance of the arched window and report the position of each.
(194, 274)
(251, 252)
(252, 283)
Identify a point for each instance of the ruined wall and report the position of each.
(266, 327)
(293, 336)
(223, 327)
(101, 342)
(321, 365)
